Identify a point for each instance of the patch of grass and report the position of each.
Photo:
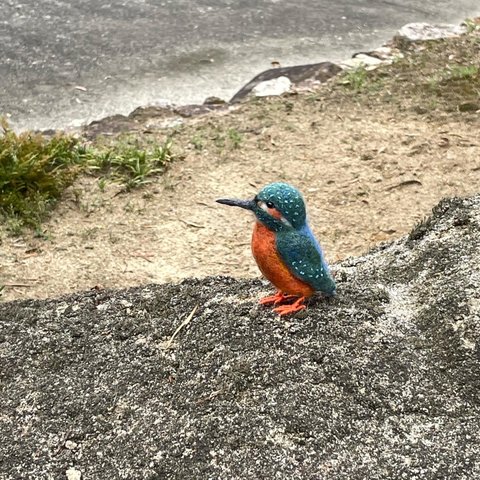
(102, 182)
(431, 76)
(355, 78)
(454, 85)
(34, 171)
(461, 72)
(43, 234)
(197, 142)
(130, 163)
(230, 139)
(452, 74)
(235, 138)
(360, 79)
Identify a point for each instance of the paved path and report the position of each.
(66, 62)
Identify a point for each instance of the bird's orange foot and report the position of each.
(276, 299)
(293, 308)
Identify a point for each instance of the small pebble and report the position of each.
(70, 445)
(73, 474)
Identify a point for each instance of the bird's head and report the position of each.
(279, 206)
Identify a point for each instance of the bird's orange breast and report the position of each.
(271, 265)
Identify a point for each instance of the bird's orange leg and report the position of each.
(276, 299)
(293, 308)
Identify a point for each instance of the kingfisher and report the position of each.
(284, 247)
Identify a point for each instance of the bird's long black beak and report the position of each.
(246, 204)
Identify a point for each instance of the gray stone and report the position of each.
(214, 101)
(382, 53)
(424, 31)
(187, 111)
(73, 474)
(363, 60)
(149, 118)
(318, 72)
(382, 381)
(276, 86)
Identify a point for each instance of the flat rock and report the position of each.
(73, 474)
(149, 117)
(188, 111)
(111, 125)
(425, 31)
(276, 86)
(363, 60)
(319, 72)
(382, 381)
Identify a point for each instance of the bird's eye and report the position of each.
(270, 205)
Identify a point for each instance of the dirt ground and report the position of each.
(369, 169)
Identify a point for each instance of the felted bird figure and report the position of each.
(284, 247)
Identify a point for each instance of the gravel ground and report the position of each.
(380, 382)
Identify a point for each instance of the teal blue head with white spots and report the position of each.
(279, 206)
(284, 199)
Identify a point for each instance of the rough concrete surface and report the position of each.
(381, 382)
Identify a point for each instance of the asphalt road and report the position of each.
(67, 62)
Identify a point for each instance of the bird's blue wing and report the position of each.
(303, 256)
